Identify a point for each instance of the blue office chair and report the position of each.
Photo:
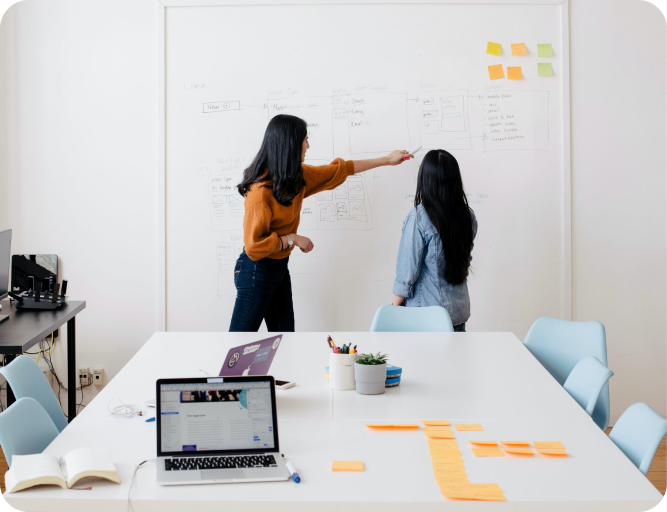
(27, 380)
(638, 433)
(560, 344)
(586, 381)
(401, 319)
(25, 429)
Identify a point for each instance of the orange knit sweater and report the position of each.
(266, 220)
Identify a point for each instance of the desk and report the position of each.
(23, 330)
(312, 419)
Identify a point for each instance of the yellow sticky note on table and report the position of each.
(548, 445)
(466, 427)
(487, 452)
(496, 72)
(545, 50)
(514, 72)
(558, 453)
(347, 465)
(439, 432)
(515, 443)
(544, 69)
(488, 443)
(519, 49)
(383, 426)
(436, 423)
(494, 48)
(519, 451)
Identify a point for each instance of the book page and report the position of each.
(30, 470)
(89, 462)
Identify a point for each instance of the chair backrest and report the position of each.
(586, 381)
(403, 319)
(560, 344)
(638, 433)
(25, 429)
(27, 381)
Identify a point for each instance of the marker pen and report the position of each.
(413, 153)
(295, 475)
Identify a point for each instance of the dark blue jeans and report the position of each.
(263, 292)
(460, 327)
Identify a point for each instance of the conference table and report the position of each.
(482, 378)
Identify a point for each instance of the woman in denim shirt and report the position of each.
(435, 251)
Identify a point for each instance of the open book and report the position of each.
(44, 469)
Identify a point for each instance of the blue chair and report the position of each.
(560, 344)
(25, 429)
(401, 319)
(586, 381)
(638, 433)
(27, 380)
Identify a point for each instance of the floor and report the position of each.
(657, 473)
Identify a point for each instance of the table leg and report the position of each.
(10, 394)
(71, 370)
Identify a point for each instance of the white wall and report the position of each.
(82, 129)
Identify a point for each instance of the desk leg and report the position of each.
(71, 370)
(10, 394)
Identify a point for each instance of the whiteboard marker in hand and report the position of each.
(413, 153)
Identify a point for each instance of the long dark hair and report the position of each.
(440, 190)
(279, 159)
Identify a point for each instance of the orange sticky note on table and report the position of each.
(488, 443)
(467, 427)
(514, 72)
(558, 453)
(496, 72)
(439, 432)
(442, 445)
(487, 452)
(548, 445)
(515, 443)
(436, 423)
(493, 48)
(519, 451)
(488, 492)
(519, 49)
(393, 427)
(347, 465)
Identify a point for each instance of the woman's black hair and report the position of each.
(279, 159)
(440, 190)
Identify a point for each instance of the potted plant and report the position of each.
(370, 373)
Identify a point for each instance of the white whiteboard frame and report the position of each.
(163, 5)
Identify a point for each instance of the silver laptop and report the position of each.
(217, 430)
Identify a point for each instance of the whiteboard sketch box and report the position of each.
(378, 122)
(448, 126)
(516, 120)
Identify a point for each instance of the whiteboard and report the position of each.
(368, 79)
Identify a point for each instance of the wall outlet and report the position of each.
(84, 375)
(98, 376)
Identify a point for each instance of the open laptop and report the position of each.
(217, 430)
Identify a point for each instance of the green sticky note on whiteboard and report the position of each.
(544, 69)
(545, 50)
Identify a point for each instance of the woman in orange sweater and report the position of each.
(274, 187)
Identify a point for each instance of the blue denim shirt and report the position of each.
(420, 268)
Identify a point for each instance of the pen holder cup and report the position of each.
(341, 371)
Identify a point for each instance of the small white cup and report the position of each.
(341, 371)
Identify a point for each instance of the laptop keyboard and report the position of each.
(228, 462)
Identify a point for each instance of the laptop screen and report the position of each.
(216, 415)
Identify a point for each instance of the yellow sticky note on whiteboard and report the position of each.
(347, 465)
(519, 49)
(494, 48)
(514, 72)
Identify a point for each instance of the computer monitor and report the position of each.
(5, 251)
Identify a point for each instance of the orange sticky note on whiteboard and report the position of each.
(496, 72)
(549, 445)
(347, 465)
(488, 443)
(519, 451)
(439, 432)
(514, 72)
(515, 443)
(559, 453)
(466, 427)
(519, 49)
(436, 423)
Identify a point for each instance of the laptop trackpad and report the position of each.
(222, 474)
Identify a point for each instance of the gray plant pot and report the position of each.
(370, 378)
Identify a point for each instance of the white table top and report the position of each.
(489, 375)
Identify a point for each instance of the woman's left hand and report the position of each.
(397, 157)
